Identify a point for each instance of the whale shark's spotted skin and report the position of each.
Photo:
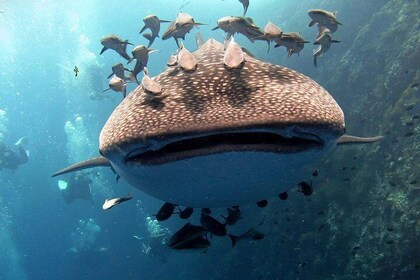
(212, 98)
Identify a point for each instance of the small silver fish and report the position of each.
(109, 203)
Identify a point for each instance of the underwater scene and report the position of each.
(210, 139)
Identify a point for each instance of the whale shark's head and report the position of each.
(221, 137)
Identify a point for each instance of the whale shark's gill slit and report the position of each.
(224, 142)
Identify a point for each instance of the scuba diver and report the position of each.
(10, 159)
(78, 187)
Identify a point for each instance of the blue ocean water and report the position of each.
(322, 237)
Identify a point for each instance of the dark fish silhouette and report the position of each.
(212, 225)
(306, 188)
(251, 234)
(283, 196)
(205, 211)
(186, 237)
(165, 212)
(234, 214)
(186, 213)
(262, 203)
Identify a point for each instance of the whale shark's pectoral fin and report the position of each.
(93, 162)
(349, 139)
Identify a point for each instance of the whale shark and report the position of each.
(222, 136)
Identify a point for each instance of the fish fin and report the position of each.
(245, 50)
(312, 23)
(289, 53)
(234, 239)
(335, 41)
(149, 36)
(215, 28)
(199, 39)
(110, 75)
(268, 47)
(316, 43)
(315, 63)
(130, 60)
(93, 162)
(126, 43)
(142, 30)
(134, 76)
(245, 9)
(103, 49)
(277, 45)
(349, 139)
(196, 24)
(177, 43)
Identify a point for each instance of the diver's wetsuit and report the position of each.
(10, 159)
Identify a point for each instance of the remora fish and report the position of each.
(324, 18)
(180, 27)
(115, 43)
(271, 33)
(152, 22)
(118, 70)
(109, 203)
(242, 25)
(141, 55)
(324, 40)
(293, 42)
(260, 126)
(117, 85)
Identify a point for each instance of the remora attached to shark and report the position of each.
(222, 136)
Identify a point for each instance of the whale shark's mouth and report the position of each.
(224, 142)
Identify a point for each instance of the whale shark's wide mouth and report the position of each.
(221, 143)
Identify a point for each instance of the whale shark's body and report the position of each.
(221, 137)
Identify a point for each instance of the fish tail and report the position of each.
(149, 37)
(234, 239)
